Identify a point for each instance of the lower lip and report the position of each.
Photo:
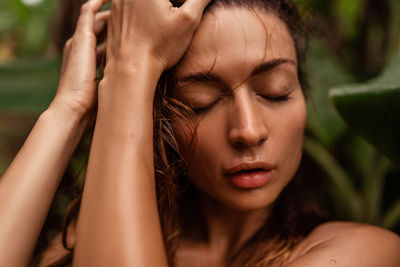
(250, 180)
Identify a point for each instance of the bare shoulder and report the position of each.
(340, 244)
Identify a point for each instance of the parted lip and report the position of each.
(249, 166)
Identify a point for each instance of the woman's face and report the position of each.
(240, 77)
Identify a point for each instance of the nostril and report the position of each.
(241, 139)
(261, 142)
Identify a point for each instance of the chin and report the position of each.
(247, 201)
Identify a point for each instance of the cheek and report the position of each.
(195, 145)
(291, 135)
(207, 142)
(296, 122)
(203, 155)
(299, 120)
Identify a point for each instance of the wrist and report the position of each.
(130, 83)
(135, 64)
(71, 120)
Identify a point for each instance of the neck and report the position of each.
(225, 230)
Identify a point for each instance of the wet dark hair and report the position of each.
(294, 214)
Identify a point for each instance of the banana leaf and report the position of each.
(372, 109)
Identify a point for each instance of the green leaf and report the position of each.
(372, 109)
(374, 187)
(348, 14)
(392, 217)
(346, 198)
(323, 71)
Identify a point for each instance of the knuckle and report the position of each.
(86, 7)
(74, 45)
(188, 17)
(73, 39)
(91, 38)
(67, 45)
(83, 37)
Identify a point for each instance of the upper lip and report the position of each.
(248, 166)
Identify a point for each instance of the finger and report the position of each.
(100, 21)
(101, 49)
(66, 52)
(88, 11)
(195, 7)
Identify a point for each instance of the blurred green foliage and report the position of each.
(372, 109)
(28, 85)
(26, 28)
(358, 173)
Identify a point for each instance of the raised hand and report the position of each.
(118, 223)
(155, 28)
(77, 86)
(29, 184)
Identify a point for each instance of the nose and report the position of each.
(247, 124)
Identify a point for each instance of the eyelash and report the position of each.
(198, 111)
(282, 98)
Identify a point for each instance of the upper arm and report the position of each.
(350, 244)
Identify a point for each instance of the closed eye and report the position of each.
(200, 110)
(281, 98)
(204, 108)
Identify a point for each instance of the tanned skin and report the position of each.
(118, 224)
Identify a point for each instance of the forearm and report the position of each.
(28, 186)
(118, 223)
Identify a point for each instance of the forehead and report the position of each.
(231, 41)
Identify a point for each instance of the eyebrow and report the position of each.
(210, 77)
